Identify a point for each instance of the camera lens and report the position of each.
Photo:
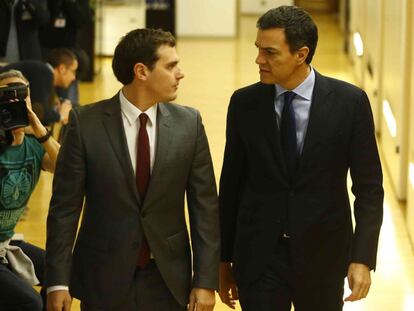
(5, 116)
(13, 115)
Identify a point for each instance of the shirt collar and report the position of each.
(131, 112)
(304, 90)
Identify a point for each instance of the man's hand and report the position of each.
(64, 108)
(35, 126)
(359, 280)
(59, 300)
(228, 289)
(202, 299)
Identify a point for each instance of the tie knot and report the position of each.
(289, 95)
(143, 118)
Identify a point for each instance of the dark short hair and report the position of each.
(57, 57)
(300, 29)
(138, 46)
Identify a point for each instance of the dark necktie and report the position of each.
(288, 133)
(143, 173)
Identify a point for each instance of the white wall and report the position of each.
(116, 21)
(395, 77)
(261, 6)
(206, 18)
(356, 24)
(410, 186)
(372, 64)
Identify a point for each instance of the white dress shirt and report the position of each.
(130, 118)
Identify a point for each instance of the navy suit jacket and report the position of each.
(258, 201)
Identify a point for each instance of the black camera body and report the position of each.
(13, 110)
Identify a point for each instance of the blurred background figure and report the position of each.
(19, 24)
(66, 18)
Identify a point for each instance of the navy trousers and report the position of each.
(276, 290)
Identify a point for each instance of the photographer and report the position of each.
(44, 78)
(21, 159)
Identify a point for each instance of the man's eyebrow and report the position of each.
(268, 49)
(173, 63)
(265, 47)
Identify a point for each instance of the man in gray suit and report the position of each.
(129, 161)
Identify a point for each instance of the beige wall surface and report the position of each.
(395, 91)
(373, 50)
(212, 18)
(410, 184)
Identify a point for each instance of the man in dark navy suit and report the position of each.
(287, 234)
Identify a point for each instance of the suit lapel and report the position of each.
(164, 137)
(317, 113)
(116, 134)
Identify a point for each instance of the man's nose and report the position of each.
(259, 59)
(179, 75)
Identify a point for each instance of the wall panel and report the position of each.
(410, 186)
(394, 94)
(212, 18)
(261, 6)
(372, 64)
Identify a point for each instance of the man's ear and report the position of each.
(302, 54)
(62, 68)
(141, 71)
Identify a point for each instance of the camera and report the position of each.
(13, 110)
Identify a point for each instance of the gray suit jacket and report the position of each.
(94, 171)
